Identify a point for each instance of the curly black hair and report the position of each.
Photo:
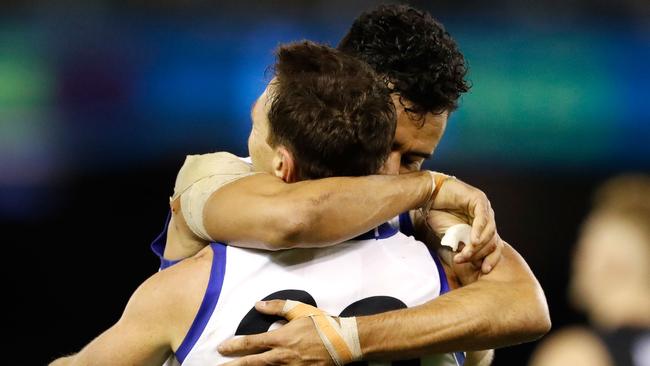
(413, 52)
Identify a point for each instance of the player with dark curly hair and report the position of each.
(415, 54)
(422, 65)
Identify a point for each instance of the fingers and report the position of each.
(490, 228)
(484, 224)
(490, 261)
(481, 219)
(484, 256)
(483, 232)
(271, 307)
(476, 252)
(238, 346)
(272, 357)
(465, 254)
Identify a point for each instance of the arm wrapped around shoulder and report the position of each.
(200, 176)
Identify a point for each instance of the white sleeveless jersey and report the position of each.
(380, 271)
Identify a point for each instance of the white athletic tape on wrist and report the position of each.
(456, 234)
(341, 339)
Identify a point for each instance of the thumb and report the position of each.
(271, 307)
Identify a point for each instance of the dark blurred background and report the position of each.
(100, 101)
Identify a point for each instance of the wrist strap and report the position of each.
(437, 180)
(341, 339)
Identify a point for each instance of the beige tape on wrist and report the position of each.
(341, 339)
(437, 180)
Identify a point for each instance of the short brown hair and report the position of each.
(331, 111)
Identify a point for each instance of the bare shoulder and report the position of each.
(173, 296)
(572, 346)
(185, 276)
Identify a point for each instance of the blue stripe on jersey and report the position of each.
(210, 300)
(444, 284)
(444, 288)
(382, 231)
(460, 358)
(405, 224)
(158, 246)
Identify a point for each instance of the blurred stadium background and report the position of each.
(101, 100)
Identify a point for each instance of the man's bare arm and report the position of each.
(262, 211)
(154, 322)
(328, 211)
(505, 307)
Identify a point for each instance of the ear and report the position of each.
(284, 166)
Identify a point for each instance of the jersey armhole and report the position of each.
(158, 246)
(209, 303)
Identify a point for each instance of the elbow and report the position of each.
(537, 320)
(543, 319)
(538, 326)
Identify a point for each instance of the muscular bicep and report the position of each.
(254, 211)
